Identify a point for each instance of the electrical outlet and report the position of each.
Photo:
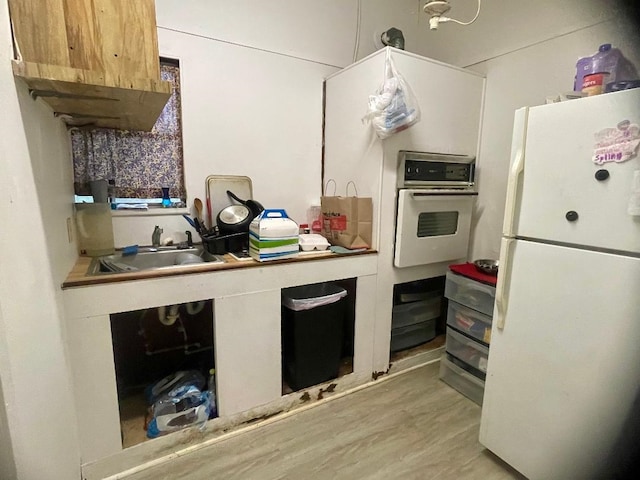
(70, 229)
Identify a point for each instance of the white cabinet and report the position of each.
(248, 363)
(246, 321)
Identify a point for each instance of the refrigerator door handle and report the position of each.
(504, 279)
(515, 172)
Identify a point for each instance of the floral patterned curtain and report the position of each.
(137, 164)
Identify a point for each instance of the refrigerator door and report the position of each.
(560, 198)
(564, 373)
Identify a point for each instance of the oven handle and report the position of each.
(421, 195)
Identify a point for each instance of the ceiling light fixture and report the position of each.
(436, 10)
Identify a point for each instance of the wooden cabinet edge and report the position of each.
(84, 97)
(56, 73)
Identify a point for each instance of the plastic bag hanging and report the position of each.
(394, 107)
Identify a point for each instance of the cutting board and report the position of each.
(217, 198)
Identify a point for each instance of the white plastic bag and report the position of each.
(394, 107)
(311, 296)
(188, 407)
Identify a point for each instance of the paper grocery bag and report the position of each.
(347, 221)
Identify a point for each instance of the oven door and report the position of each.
(432, 228)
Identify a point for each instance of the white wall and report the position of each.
(251, 78)
(35, 254)
(250, 112)
(502, 27)
(322, 32)
(505, 26)
(377, 16)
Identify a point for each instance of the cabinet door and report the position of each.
(95, 389)
(94, 61)
(248, 362)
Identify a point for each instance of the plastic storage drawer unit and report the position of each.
(416, 312)
(312, 333)
(413, 335)
(464, 382)
(468, 321)
(470, 293)
(469, 351)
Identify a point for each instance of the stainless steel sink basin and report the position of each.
(152, 259)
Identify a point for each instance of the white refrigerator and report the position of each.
(562, 393)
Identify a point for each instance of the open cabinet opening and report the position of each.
(154, 344)
(318, 323)
(418, 318)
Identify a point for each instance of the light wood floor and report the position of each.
(411, 426)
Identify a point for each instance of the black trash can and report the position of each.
(312, 323)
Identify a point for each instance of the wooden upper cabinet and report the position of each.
(95, 62)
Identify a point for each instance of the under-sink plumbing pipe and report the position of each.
(193, 308)
(171, 317)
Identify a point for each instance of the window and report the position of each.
(136, 164)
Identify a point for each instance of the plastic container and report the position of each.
(273, 236)
(470, 322)
(99, 191)
(607, 65)
(621, 85)
(166, 200)
(470, 293)
(412, 335)
(464, 382)
(312, 333)
(95, 230)
(470, 352)
(416, 312)
(313, 218)
(304, 229)
(583, 67)
(313, 241)
(418, 290)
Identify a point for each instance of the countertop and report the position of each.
(78, 276)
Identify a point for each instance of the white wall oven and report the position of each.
(435, 201)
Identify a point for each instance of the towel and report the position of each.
(469, 270)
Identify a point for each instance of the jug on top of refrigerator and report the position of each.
(602, 70)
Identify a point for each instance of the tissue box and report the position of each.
(273, 236)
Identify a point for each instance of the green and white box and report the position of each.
(273, 236)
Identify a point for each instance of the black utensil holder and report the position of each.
(221, 244)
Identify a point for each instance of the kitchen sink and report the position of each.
(150, 258)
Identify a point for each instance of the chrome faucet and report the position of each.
(155, 237)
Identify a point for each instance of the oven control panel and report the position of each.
(418, 169)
